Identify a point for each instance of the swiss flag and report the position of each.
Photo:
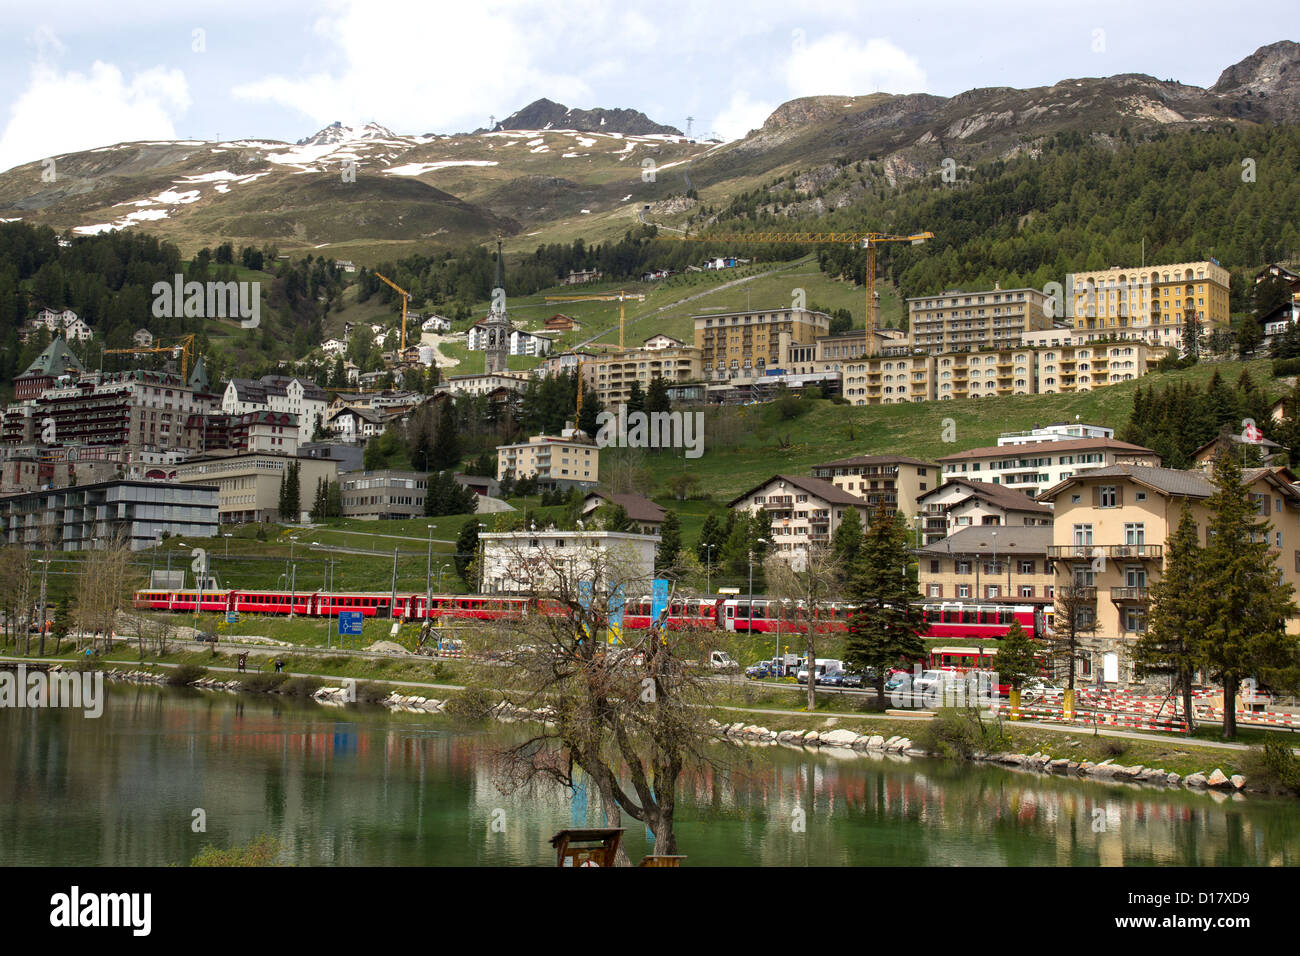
(1252, 433)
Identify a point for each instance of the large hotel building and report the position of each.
(1150, 304)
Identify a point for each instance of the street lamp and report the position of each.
(996, 569)
(708, 567)
(428, 575)
(751, 583)
(227, 536)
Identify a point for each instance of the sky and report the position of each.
(75, 75)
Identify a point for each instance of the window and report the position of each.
(963, 590)
(1026, 590)
(1025, 567)
(1106, 496)
(934, 564)
(934, 590)
(1082, 534)
(1135, 534)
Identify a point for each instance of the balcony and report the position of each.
(1084, 592)
(1130, 595)
(1089, 551)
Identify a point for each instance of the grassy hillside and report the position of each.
(832, 431)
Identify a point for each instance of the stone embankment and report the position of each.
(1038, 762)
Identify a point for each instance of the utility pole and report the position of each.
(428, 577)
(392, 607)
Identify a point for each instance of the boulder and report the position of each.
(812, 737)
(1218, 779)
(1238, 781)
(1133, 771)
(876, 742)
(1059, 765)
(1173, 779)
(839, 738)
(1195, 780)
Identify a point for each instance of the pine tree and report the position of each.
(1017, 659)
(735, 550)
(670, 541)
(882, 587)
(445, 452)
(1176, 623)
(635, 398)
(710, 534)
(284, 494)
(847, 541)
(615, 518)
(467, 552)
(1247, 603)
(760, 533)
(293, 495)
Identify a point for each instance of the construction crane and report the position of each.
(406, 297)
(869, 241)
(619, 297)
(185, 345)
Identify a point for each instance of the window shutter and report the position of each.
(1119, 496)
(1096, 496)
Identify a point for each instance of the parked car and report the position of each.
(207, 637)
(854, 679)
(759, 671)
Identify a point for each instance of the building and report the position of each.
(475, 385)
(278, 393)
(383, 494)
(661, 341)
(1031, 469)
(1082, 368)
(526, 343)
(357, 424)
(745, 344)
(571, 460)
(560, 322)
(1007, 565)
(84, 517)
(253, 431)
(140, 410)
(54, 364)
(1057, 431)
(1265, 451)
(611, 374)
(527, 562)
(895, 481)
(805, 513)
(1151, 304)
(562, 362)
(248, 483)
(436, 323)
(1109, 533)
(143, 338)
(646, 516)
(959, 503)
(889, 380)
(347, 457)
(581, 277)
(494, 338)
(958, 321)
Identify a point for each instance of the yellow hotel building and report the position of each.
(1150, 304)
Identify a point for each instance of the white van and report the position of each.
(821, 667)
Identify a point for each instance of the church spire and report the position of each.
(501, 276)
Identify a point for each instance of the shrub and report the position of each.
(263, 683)
(302, 686)
(472, 703)
(1283, 367)
(261, 852)
(1274, 767)
(959, 734)
(1116, 747)
(186, 674)
(370, 692)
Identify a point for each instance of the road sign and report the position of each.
(350, 623)
(232, 617)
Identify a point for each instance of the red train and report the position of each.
(971, 622)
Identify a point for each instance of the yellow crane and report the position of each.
(619, 297)
(406, 297)
(184, 345)
(869, 241)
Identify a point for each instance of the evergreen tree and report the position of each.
(846, 544)
(333, 500)
(467, 552)
(591, 408)
(670, 541)
(760, 533)
(1017, 659)
(445, 452)
(284, 494)
(656, 399)
(736, 548)
(614, 518)
(635, 398)
(1176, 623)
(373, 458)
(710, 534)
(882, 588)
(1247, 603)
(293, 495)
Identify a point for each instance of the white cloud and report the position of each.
(838, 64)
(740, 116)
(446, 67)
(64, 112)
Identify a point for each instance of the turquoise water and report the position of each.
(362, 786)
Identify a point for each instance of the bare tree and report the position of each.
(811, 587)
(627, 714)
(1074, 617)
(106, 576)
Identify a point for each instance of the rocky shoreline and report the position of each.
(740, 732)
(1215, 780)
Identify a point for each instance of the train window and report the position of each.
(759, 612)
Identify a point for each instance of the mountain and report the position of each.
(549, 173)
(546, 114)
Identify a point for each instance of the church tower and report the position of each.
(496, 327)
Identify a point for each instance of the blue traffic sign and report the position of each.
(350, 622)
(232, 617)
(658, 600)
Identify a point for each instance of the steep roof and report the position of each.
(814, 486)
(1050, 447)
(979, 539)
(54, 361)
(1168, 481)
(638, 507)
(999, 495)
(875, 460)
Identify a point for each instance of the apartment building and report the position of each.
(486, 384)
(84, 517)
(746, 344)
(829, 353)
(383, 494)
(960, 503)
(1109, 535)
(1057, 431)
(1008, 565)
(253, 431)
(1149, 303)
(248, 484)
(1082, 368)
(889, 380)
(570, 460)
(611, 375)
(895, 481)
(53, 364)
(278, 393)
(646, 516)
(957, 321)
(528, 562)
(805, 513)
(1029, 469)
(985, 374)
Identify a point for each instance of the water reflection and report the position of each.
(365, 787)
